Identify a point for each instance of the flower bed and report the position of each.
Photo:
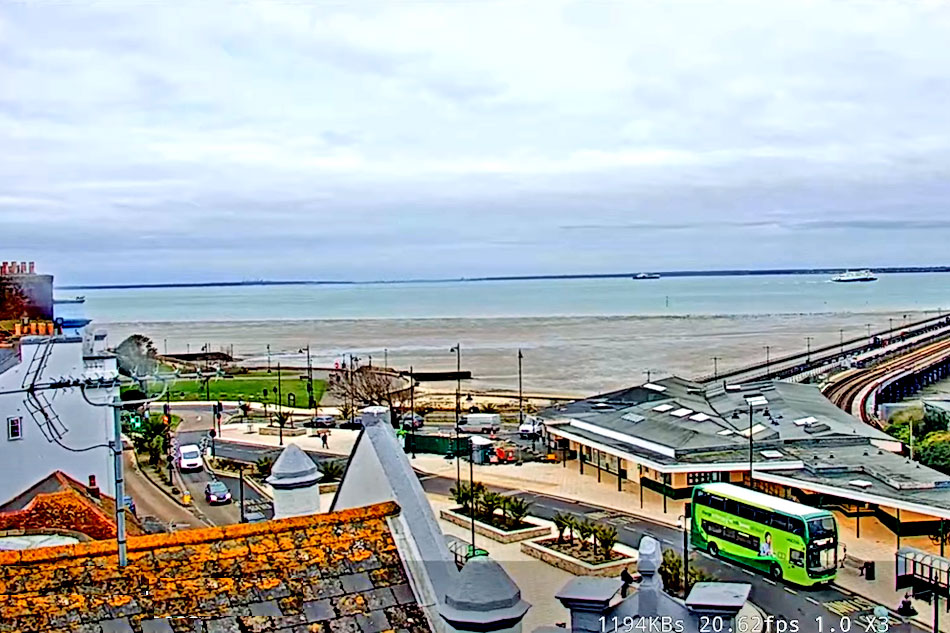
(499, 529)
(581, 562)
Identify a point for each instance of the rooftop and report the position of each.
(326, 572)
(60, 503)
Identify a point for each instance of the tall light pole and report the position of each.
(311, 401)
(471, 483)
(458, 405)
(684, 521)
(412, 411)
(808, 340)
(868, 325)
(280, 419)
(521, 397)
(715, 360)
(841, 339)
(385, 357)
(268, 358)
(753, 401)
(768, 371)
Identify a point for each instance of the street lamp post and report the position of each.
(715, 360)
(753, 401)
(458, 404)
(412, 411)
(471, 483)
(268, 358)
(311, 401)
(683, 521)
(768, 371)
(808, 340)
(280, 419)
(841, 339)
(241, 491)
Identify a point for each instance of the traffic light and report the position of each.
(135, 422)
(167, 410)
(166, 420)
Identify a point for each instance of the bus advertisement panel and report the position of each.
(775, 536)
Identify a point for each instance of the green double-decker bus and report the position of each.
(782, 538)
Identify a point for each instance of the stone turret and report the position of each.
(484, 599)
(295, 480)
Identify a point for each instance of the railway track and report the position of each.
(852, 389)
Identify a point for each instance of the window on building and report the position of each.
(694, 479)
(14, 428)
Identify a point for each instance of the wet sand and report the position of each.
(572, 355)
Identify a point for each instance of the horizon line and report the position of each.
(669, 273)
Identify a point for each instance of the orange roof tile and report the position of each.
(323, 572)
(59, 502)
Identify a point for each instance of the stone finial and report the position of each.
(485, 597)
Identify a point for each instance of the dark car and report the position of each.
(414, 421)
(354, 424)
(217, 492)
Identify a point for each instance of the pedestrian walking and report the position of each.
(627, 580)
(324, 440)
(844, 554)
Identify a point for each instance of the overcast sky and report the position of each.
(202, 140)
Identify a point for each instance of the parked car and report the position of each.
(414, 421)
(531, 427)
(189, 457)
(480, 423)
(217, 492)
(354, 423)
(320, 422)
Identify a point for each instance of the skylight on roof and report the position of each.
(699, 417)
(757, 401)
(758, 428)
(654, 387)
(806, 421)
(733, 387)
(663, 408)
(633, 417)
(681, 412)
(771, 454)
(725, 432)
(860, 483)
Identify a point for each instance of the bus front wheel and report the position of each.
(775, 571)
(714, 550)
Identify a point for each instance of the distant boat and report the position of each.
(647, 276)
(855, 275)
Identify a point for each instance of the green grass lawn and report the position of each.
(249, 388)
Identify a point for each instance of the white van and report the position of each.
(531, 427)
(189, 457)
(480, 423)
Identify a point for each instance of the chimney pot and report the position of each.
(93, 488)
(32, 267)
(23, 268)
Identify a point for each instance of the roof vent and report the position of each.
(733, 387)
(654, 387)
(663, 408)
(602, 406)
(863, 484)
(771, 454)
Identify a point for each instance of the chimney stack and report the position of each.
(22, 268)
(93, 488)
(14, 269)
(3, 268)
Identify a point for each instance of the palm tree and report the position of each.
(283, 418)
(264, 465)
(462, 495)
(491, 501)
(572, 524)
(584, 530)
(331, 471)
(608, 537)
(561, 523)
(516, 509)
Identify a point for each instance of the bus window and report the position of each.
(717, 503)
(796, 526)
(713, 529)
(702, 498)
(745, 512)
(763, 516)
(780, 522)
(731, 506)
(821, 528)
(796, 557)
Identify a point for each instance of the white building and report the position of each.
(40, 428)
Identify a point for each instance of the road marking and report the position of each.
(791, 591)
(667, 541)
(746, 571)
(771, 582)
(812, 600)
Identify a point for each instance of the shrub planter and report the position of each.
(288, 432)
(329, 487)
(626, 559)
(496, 533)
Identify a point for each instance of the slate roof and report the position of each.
(324, 573)
(60, 503)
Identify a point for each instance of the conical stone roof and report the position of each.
(294, 469)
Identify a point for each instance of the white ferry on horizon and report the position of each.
(647, 276)
(855, 275)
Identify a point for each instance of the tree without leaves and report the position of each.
(369, 387)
